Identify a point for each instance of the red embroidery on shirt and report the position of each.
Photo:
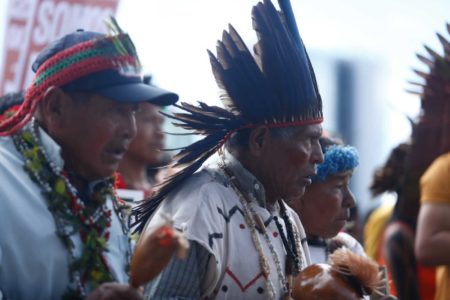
(238, 282)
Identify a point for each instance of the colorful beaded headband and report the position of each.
(113, 52)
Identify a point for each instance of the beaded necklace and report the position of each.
(72, 215)
(252, 218)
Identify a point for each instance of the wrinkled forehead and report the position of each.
(311, 130)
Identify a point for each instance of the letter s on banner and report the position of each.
(39, 24)
(41, 30)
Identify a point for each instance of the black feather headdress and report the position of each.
(276, 86)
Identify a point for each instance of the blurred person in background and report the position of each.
(433, 228)
(432, 245)
(141, 164)
(429, 139)
(386, 179)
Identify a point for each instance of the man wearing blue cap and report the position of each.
(63, 232)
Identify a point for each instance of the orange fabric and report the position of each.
(382, 262)
(443, 280)
(427, 282)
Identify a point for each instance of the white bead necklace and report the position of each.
(251, 218)
(62, 226)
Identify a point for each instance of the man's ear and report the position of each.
(53, 107)
(259, 137)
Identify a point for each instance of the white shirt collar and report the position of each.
(247, 181)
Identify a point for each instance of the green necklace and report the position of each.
(92, 221)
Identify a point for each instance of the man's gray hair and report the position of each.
(239, 140)
(284, 133)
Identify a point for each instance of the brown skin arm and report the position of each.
(115, 291)
(432, 244)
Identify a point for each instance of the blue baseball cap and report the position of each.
(112, 83)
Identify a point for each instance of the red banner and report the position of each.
(32, 24)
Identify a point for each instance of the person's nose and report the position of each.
(128, 127)
(349, 199)
(317, 154)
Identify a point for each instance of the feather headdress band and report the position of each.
(275, 87)
(113, 52)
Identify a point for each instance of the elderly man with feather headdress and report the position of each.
(246, 243)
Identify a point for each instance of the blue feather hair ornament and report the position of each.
(337, 159)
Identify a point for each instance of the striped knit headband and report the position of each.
(113, 52)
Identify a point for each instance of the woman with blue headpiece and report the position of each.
(324, 210)
(325, 207)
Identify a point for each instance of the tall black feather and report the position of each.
(289, 17)
(286, 9)
(286, 66)
(245, 89)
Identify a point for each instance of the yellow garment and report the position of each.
(434, 184)
(442, 283)
(374, 229)
(435, 189)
